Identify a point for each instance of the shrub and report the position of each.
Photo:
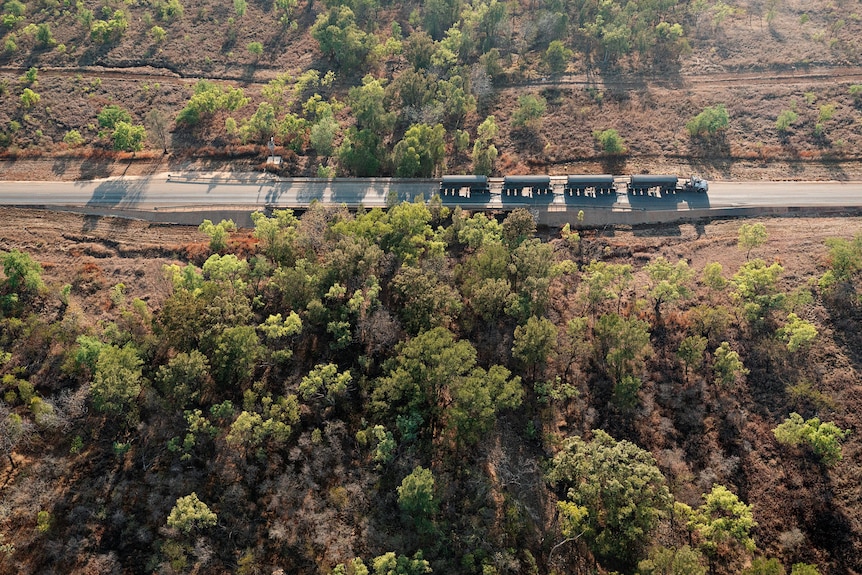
(255, 49)
(158, 34)
(610, 141)
(29, 98)
(530, 110)
(823, 438)
(711, 121)
(14, 8)
(44, 38)
(785, 119)
(31, 76)
(73, 138)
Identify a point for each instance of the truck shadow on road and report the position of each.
(115, 194)
(670, 202)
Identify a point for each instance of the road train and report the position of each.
(479, 187)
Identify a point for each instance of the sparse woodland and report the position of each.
(417, 390)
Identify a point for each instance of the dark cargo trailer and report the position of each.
(638, 184)
(453, 185)
(515, 185)
(599, 184)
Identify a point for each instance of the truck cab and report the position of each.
(698, 184)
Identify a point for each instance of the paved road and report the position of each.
(214, 191)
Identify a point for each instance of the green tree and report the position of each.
(184, 377)
(218, 233)
(44, 37)
(424, 301)
(128, 137)
(823, 438)
(323, 134)
(284, 9)
(727, 366)
(117, 380)
(751, 236)
(484, 151)
(439, 15)
(711, 121)
(235, 354)
(435, 378)
(416, 496)
(518, 227)
(478, 398)
(277, 235)
(712, 276)
(845, 262)
(755, 284)
(668, 282)
(690, 352)
(30, 76)
(610, 141)
(421, 151)
(340, 39)
(111, 115)
(670, 43)
(557, 57)
(620, 488)
(111, 30)
(190, 513)
(601, 281)
(664, 561)
(325, 382)
(722, 523)
(534, 342)
(361, 153)
(623, 344)
(391, 564)
(23, 274)
(367, 103)
(455, 99)
(531, 109)
(798, 333)
(15, 432)
(261, 125)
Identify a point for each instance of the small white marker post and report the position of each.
(272, 159)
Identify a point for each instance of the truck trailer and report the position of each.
(577, 185)
(515, 185)
(454, 185)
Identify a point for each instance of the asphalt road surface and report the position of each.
(256, 191)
